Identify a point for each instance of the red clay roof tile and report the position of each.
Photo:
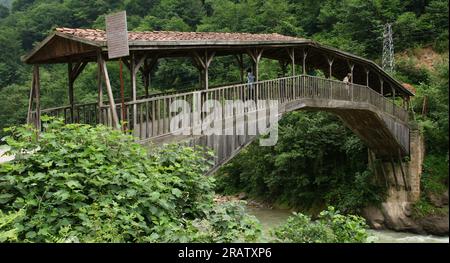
(100, 35)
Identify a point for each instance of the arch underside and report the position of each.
(385, 136)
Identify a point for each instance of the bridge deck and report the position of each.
(381, 124)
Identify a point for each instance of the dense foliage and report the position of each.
(329, 227)
(430, 106)
(91, 184)
(316, 161)
(353, 25)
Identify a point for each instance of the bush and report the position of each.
(424, 208)
(330, 227)
(227, 222)
(78, 183)
(7, 230)
(363, 191)
(407, 71)
(435, 174)
(300, 229)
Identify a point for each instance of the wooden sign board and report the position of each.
(117, 35)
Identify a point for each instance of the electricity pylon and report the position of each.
(387, 60)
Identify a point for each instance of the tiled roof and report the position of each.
(100, 35)
(409, 87)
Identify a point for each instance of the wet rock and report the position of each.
(438, 200)
(435, 225)
(445, 198)
(396, 215)
(242, 196)
(374, 217)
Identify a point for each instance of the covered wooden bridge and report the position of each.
(374, 105)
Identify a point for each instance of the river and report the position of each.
(270, 218)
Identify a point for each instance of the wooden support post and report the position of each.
(291, 53)
(367, 77)
(122, 96)
(146, 70)
(135, 64)
(351, 67)
(381, 87)
(305, 54)
(133, 78)
(199, 67)
(37, 94)
(203, 63)
(240, 60)
(100, 94)
(73, 72)
(206, 72)
(393, 100)
(34, 100)
(330, 65)
(255, 55)
(112, 105)
(31, 99)
(71, 97)
(133, 74)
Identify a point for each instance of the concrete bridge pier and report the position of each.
(402, 180)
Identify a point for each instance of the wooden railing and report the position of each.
(153, 114)
(82, 113)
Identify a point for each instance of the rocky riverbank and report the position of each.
(396, 213)
(243, 196)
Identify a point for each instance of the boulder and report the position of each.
(435, 225)
(438, 200)
(242, 196)
(374, 217)
(397, 217)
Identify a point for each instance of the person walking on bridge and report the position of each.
(347, 80)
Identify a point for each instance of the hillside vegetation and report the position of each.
(317, 162)
(352, 25)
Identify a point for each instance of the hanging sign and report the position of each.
(117, 35)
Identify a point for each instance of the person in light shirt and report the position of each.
(347, 78)
(347, 81)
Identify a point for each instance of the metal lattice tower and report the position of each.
(388, 49)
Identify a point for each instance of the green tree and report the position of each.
(4, 11)
(10, 52)
(316, 161)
